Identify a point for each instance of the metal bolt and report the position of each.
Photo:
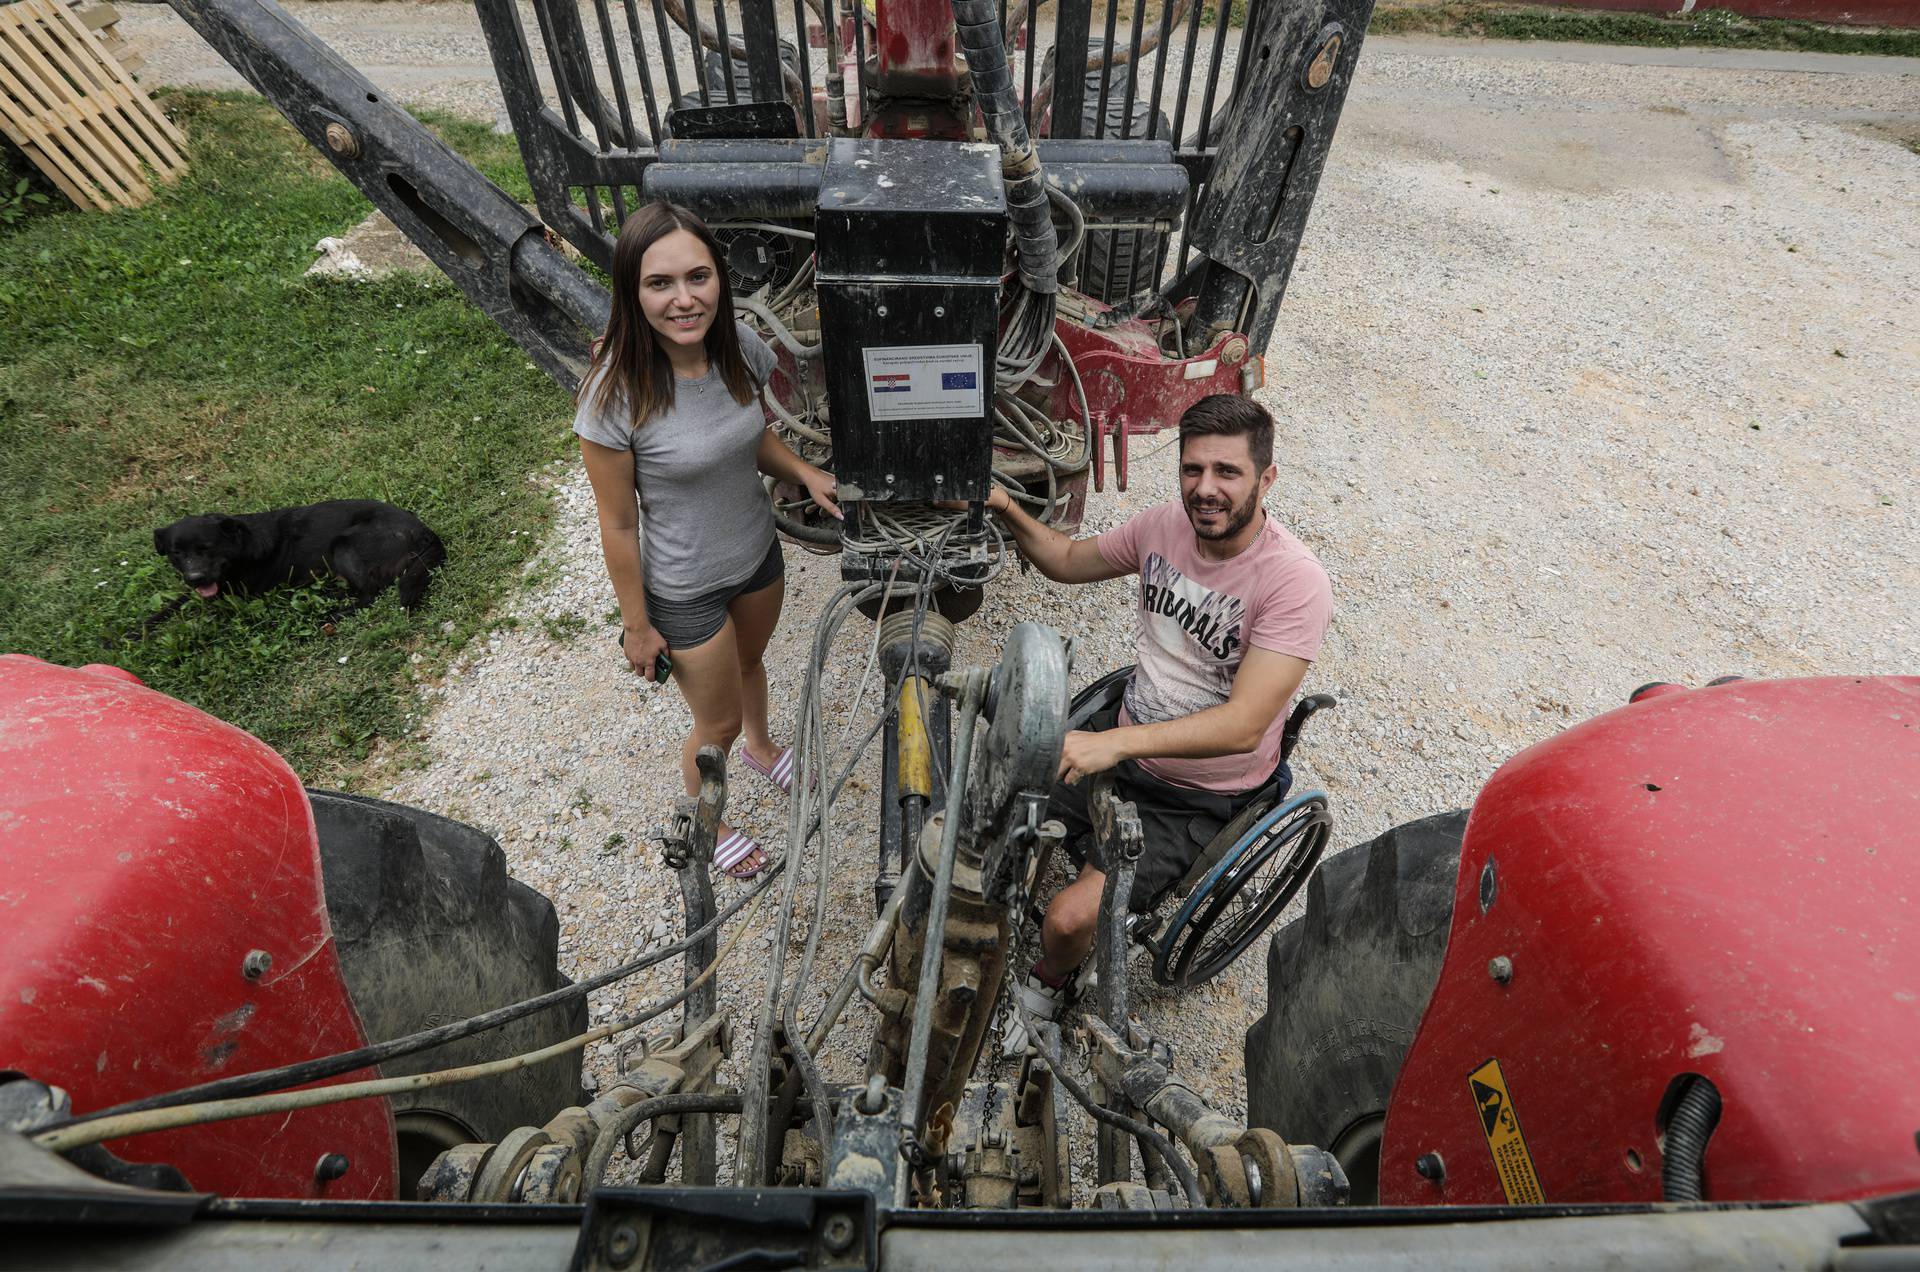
(256, 964)
(331, 1167)
(939, 479)
(838, 1234)
(1431, 1167)
(1321, 69)
(1500, 968)
(622, 1244)
(939, 311)
(341, 141)
(883, 311)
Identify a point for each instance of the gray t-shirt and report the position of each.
(706, 522)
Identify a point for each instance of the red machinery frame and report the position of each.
(1718, 882)
(166, 925)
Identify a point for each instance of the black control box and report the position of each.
(911, 247)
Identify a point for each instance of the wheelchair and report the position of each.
(1244, 877)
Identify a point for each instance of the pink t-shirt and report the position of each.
(1195, 620)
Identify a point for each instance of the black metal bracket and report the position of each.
(1297, 62)
(496, 251)
(631, 1229)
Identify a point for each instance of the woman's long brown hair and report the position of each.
(630, 360)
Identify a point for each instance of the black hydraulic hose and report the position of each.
(1189, 1182)
(1683, 1164)
(978, 22)
(246, 1084)
(824, 536)
(623, 1124)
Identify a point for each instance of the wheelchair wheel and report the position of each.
(1242, 896)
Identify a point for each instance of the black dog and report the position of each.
(369, 545)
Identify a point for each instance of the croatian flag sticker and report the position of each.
(897, 382)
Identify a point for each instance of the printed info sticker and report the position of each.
(925, 382)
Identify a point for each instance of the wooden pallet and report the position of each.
(75, 111)
(103, 20)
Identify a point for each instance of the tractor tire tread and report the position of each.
(429, 929)
(1348, 981)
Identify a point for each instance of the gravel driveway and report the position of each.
(1594, 371)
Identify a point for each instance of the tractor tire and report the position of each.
(1116, 264)
(430, 930)
(1347, 983)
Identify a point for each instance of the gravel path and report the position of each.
(1590, 374)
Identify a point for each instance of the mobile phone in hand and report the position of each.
(662, 665)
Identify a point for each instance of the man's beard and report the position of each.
(1237, 520)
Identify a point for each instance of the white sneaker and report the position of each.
(1032, 999)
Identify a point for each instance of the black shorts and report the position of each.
(692, 622)
(1178, 822)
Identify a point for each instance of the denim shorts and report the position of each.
(692, 622)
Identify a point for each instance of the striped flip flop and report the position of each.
(780, 773)
(736, 851)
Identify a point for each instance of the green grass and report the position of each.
(1707, 28)
(174, 360)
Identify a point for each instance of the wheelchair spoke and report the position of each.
(1252, 893)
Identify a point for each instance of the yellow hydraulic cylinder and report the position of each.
(915, 746)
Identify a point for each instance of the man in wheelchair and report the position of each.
(1230, 612)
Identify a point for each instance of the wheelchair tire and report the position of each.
(1347, 983)
(1242, 895)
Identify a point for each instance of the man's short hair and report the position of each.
(1230, 415)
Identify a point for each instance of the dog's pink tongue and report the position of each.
(208, 590)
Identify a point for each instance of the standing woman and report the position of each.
(670, 412)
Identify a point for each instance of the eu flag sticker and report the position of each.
(956, 380)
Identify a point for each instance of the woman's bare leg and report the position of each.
(708, 677)
(753, 618)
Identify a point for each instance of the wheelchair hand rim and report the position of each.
(1316, 823)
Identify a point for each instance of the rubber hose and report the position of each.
(1683, 1164)
(978, 23)
(615, 1132)
(825, 536)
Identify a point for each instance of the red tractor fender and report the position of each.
(162, 923)
(1718, 882)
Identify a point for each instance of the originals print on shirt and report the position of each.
(1190, 647)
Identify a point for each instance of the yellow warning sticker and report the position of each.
(1504, 1140)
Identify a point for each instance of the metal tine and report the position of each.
(1246, 38)
(699, 51)
(726, 49)
(1133, 73)
(1106, 68)
(1186, 75)
(1161, 51)
(611, 48)
(619, 203)
(641, 63)
(562, 86)
(1186, 225)
(1213, 74)
(1033, 39)
(806, 65)
(669, 57)
(594, 213)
